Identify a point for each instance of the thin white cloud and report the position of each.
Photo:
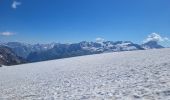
(155, 37)
(99, 40)
(6, 33)
(15, 4)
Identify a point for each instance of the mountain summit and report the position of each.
(151, 45)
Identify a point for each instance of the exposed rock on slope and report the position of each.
(8, 57)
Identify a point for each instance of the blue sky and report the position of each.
(66, 21)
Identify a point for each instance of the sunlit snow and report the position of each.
(130, 75)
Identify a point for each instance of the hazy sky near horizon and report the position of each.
(46, 21)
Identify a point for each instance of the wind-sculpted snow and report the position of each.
(131, 75)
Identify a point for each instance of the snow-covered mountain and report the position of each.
(134, 75)
(82, 48)
(151, 45)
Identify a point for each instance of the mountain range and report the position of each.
(41, 52)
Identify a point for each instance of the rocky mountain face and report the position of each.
(8, 57)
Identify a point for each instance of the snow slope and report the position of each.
(130, 75)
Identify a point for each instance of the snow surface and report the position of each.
(130, 75)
